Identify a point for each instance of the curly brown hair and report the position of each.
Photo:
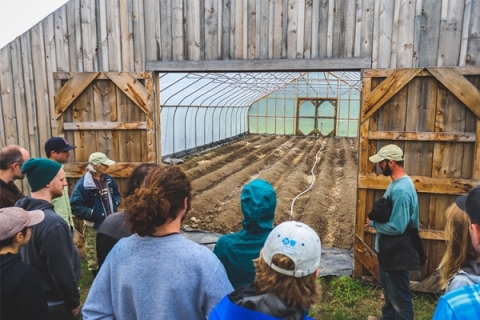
(297, 292)
(137, 177)
(158, 200)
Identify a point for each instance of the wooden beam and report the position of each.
(134, 90)
(463, 89)
(385, 90)
(71, 90)
(363, 164)
(367, 257)
(104, 125)
(423, 136)
(476, 154)
(424, 234)
(118, 170)
(101, 75)
(383, 73)
(330, 64)
(452, 186)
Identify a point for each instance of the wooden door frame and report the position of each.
(142, 96)
(333, 101)
(453, 79)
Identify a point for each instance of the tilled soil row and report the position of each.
(221, 186)
(275, 175)
(297, 181)
(263, 155)
(329, 207)
(235, 148)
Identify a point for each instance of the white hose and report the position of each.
(311, 184)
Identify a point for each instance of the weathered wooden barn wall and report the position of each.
(433, 114)
(117, 35)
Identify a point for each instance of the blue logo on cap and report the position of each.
(287, 241)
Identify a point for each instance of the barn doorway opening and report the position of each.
(201, 110)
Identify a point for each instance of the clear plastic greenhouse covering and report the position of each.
(201, 110)
(324, 103)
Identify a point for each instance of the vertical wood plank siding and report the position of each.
(114, 35)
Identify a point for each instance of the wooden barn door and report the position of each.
(433, 115)
(110, 112)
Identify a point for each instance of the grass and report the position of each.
(342, 298)
(85, 282)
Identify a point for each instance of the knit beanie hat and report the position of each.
(40, 172)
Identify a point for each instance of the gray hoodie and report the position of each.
(468, 275)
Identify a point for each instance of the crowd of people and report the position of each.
(144, 268)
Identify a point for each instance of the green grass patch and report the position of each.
(85, 282)
(344, 298)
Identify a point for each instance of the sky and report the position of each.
(17, 16)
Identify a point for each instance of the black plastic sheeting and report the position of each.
(334, 262)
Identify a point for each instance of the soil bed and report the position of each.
(219, 175)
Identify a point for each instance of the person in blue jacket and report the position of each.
(464, 302)
(285, 283)
(94, 198)
(236, 251)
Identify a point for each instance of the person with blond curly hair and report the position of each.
(285, 282)
(157, 273)
(460, 266)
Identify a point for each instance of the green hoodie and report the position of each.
(62, 208)
(236, 251)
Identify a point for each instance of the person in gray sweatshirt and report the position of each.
(157, 273)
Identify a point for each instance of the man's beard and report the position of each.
(19, 176)
(57, 194)
(387, 171)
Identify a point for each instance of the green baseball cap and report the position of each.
(100, 158)
(389, 152)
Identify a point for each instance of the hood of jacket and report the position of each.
(29, 203)
(7, 261)
(471, 269)
(258, 202)
(266, 303)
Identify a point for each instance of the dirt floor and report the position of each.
(219, 175)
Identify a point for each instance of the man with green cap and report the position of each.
(51, 251)
(93, 199)
(402, 193)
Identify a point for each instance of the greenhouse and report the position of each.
(200, 110)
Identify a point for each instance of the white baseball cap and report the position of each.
(297, 241)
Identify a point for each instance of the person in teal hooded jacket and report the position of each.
(236, 251)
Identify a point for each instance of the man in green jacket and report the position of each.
(58, 150)
(236, 251)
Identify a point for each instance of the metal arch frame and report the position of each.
(188, 108)
(234, 91)
(176, 108)
(215, 107)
